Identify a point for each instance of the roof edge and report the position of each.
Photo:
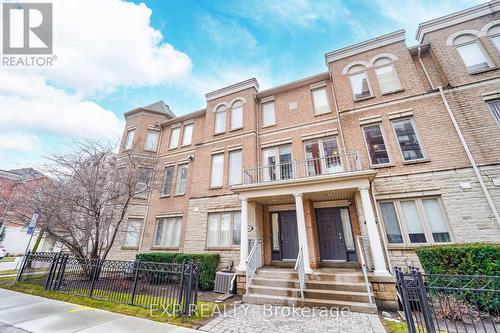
(250, 83)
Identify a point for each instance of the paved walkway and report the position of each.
(258, 318)
(20, 313)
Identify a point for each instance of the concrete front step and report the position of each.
(338, 295)
(337, 275)
(326, 285)
(309, 302)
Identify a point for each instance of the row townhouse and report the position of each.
(393, 147)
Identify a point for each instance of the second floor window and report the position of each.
(408, 139)
(168, 232)
(167, 181)
(386, 75)
(174, 137)
(133, 233)
(217, 172)
(322, 156)
(375, 143)
(237, 115)
(180, 185)
(320, 101)
(129, 140)
(268, 117)
(472, 53)
(495, 109)
(277, 163)
(187, 135)
(151, 142)
(359, 82)
(144, 178)
(220, 119)
(235, 167)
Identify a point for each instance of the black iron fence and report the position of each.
(162, 286)
(435, 303)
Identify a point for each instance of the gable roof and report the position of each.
(159, 107)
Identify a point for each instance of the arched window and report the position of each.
(359, 82)
(494, 34)
(220, 119)
(386, 75)
(472, 53)
(237, 115)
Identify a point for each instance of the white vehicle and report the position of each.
(3, 252)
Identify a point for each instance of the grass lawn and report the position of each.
(8, 272)
(393, 327)
(8, 259)
(136, 311)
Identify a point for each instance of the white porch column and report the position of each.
(373, 235)
(301, 229)
(243, 236)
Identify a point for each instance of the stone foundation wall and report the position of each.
(385, 293)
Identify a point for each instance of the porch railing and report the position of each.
(362, 260)
(254, 261)
(269, 172)
(299, 267)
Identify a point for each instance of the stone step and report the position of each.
(309, 302)
(339, 295)
(326, 285)
(285, 274)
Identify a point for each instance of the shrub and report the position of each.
(451, 307)
(208, 263)
(460, 259)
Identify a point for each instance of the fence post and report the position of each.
(137, 264)
(50, 276)
(181, 284)
(60, 272)
(403, 292)
(424, 301)
(94, 274)
(21, 269)
(189, 290)
(196, 281)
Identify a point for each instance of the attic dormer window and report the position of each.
(472, 53)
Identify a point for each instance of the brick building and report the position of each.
(391, 148)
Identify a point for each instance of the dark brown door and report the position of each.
(289, 235)
(330, 234)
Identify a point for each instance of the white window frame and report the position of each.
(264, 124)
(222, 109)
(423, 220)
(149, 131)
(129, 139)
(172, 144)
(481, 49)
(419, 138)
(231, 230)
(187, 140)
(277, 166)
(385, 143)
(351, 74)
(237, 104)
(315, 108)
(175, 219)
(221, 172)
(494, 35)
(178, 179)
(396, 76)
(494, 113)
(231, 166)
(126, 243)
(172, 167)
(322, 157)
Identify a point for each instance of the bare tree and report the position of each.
(84, 204)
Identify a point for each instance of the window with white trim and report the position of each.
(322, 156)
(235, 160)
(187, 135)
(129, 140)
(237, 115)
(174, 137)
(151, 142)
(217, 171)
(144, 178)
(375, 144)
(277, 163)
(320, 100)
(220, 119)
(472, 53)
(168, 232)
(388, 80)
(168, 180)
(494, 33)
(180, 185)
(133, 232)
(415, 221)
(495, 109)
(224, 229)
(268, 117)
(359, 82)
(408, 139)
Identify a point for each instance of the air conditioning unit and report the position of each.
(223, 282)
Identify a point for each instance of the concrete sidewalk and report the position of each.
(26, 313)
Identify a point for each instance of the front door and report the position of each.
(285, 237)
(330, 234)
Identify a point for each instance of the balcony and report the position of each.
(331, 165)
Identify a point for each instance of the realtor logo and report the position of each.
(27, 28)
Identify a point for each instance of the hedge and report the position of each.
(463, 259)
(208, 263)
